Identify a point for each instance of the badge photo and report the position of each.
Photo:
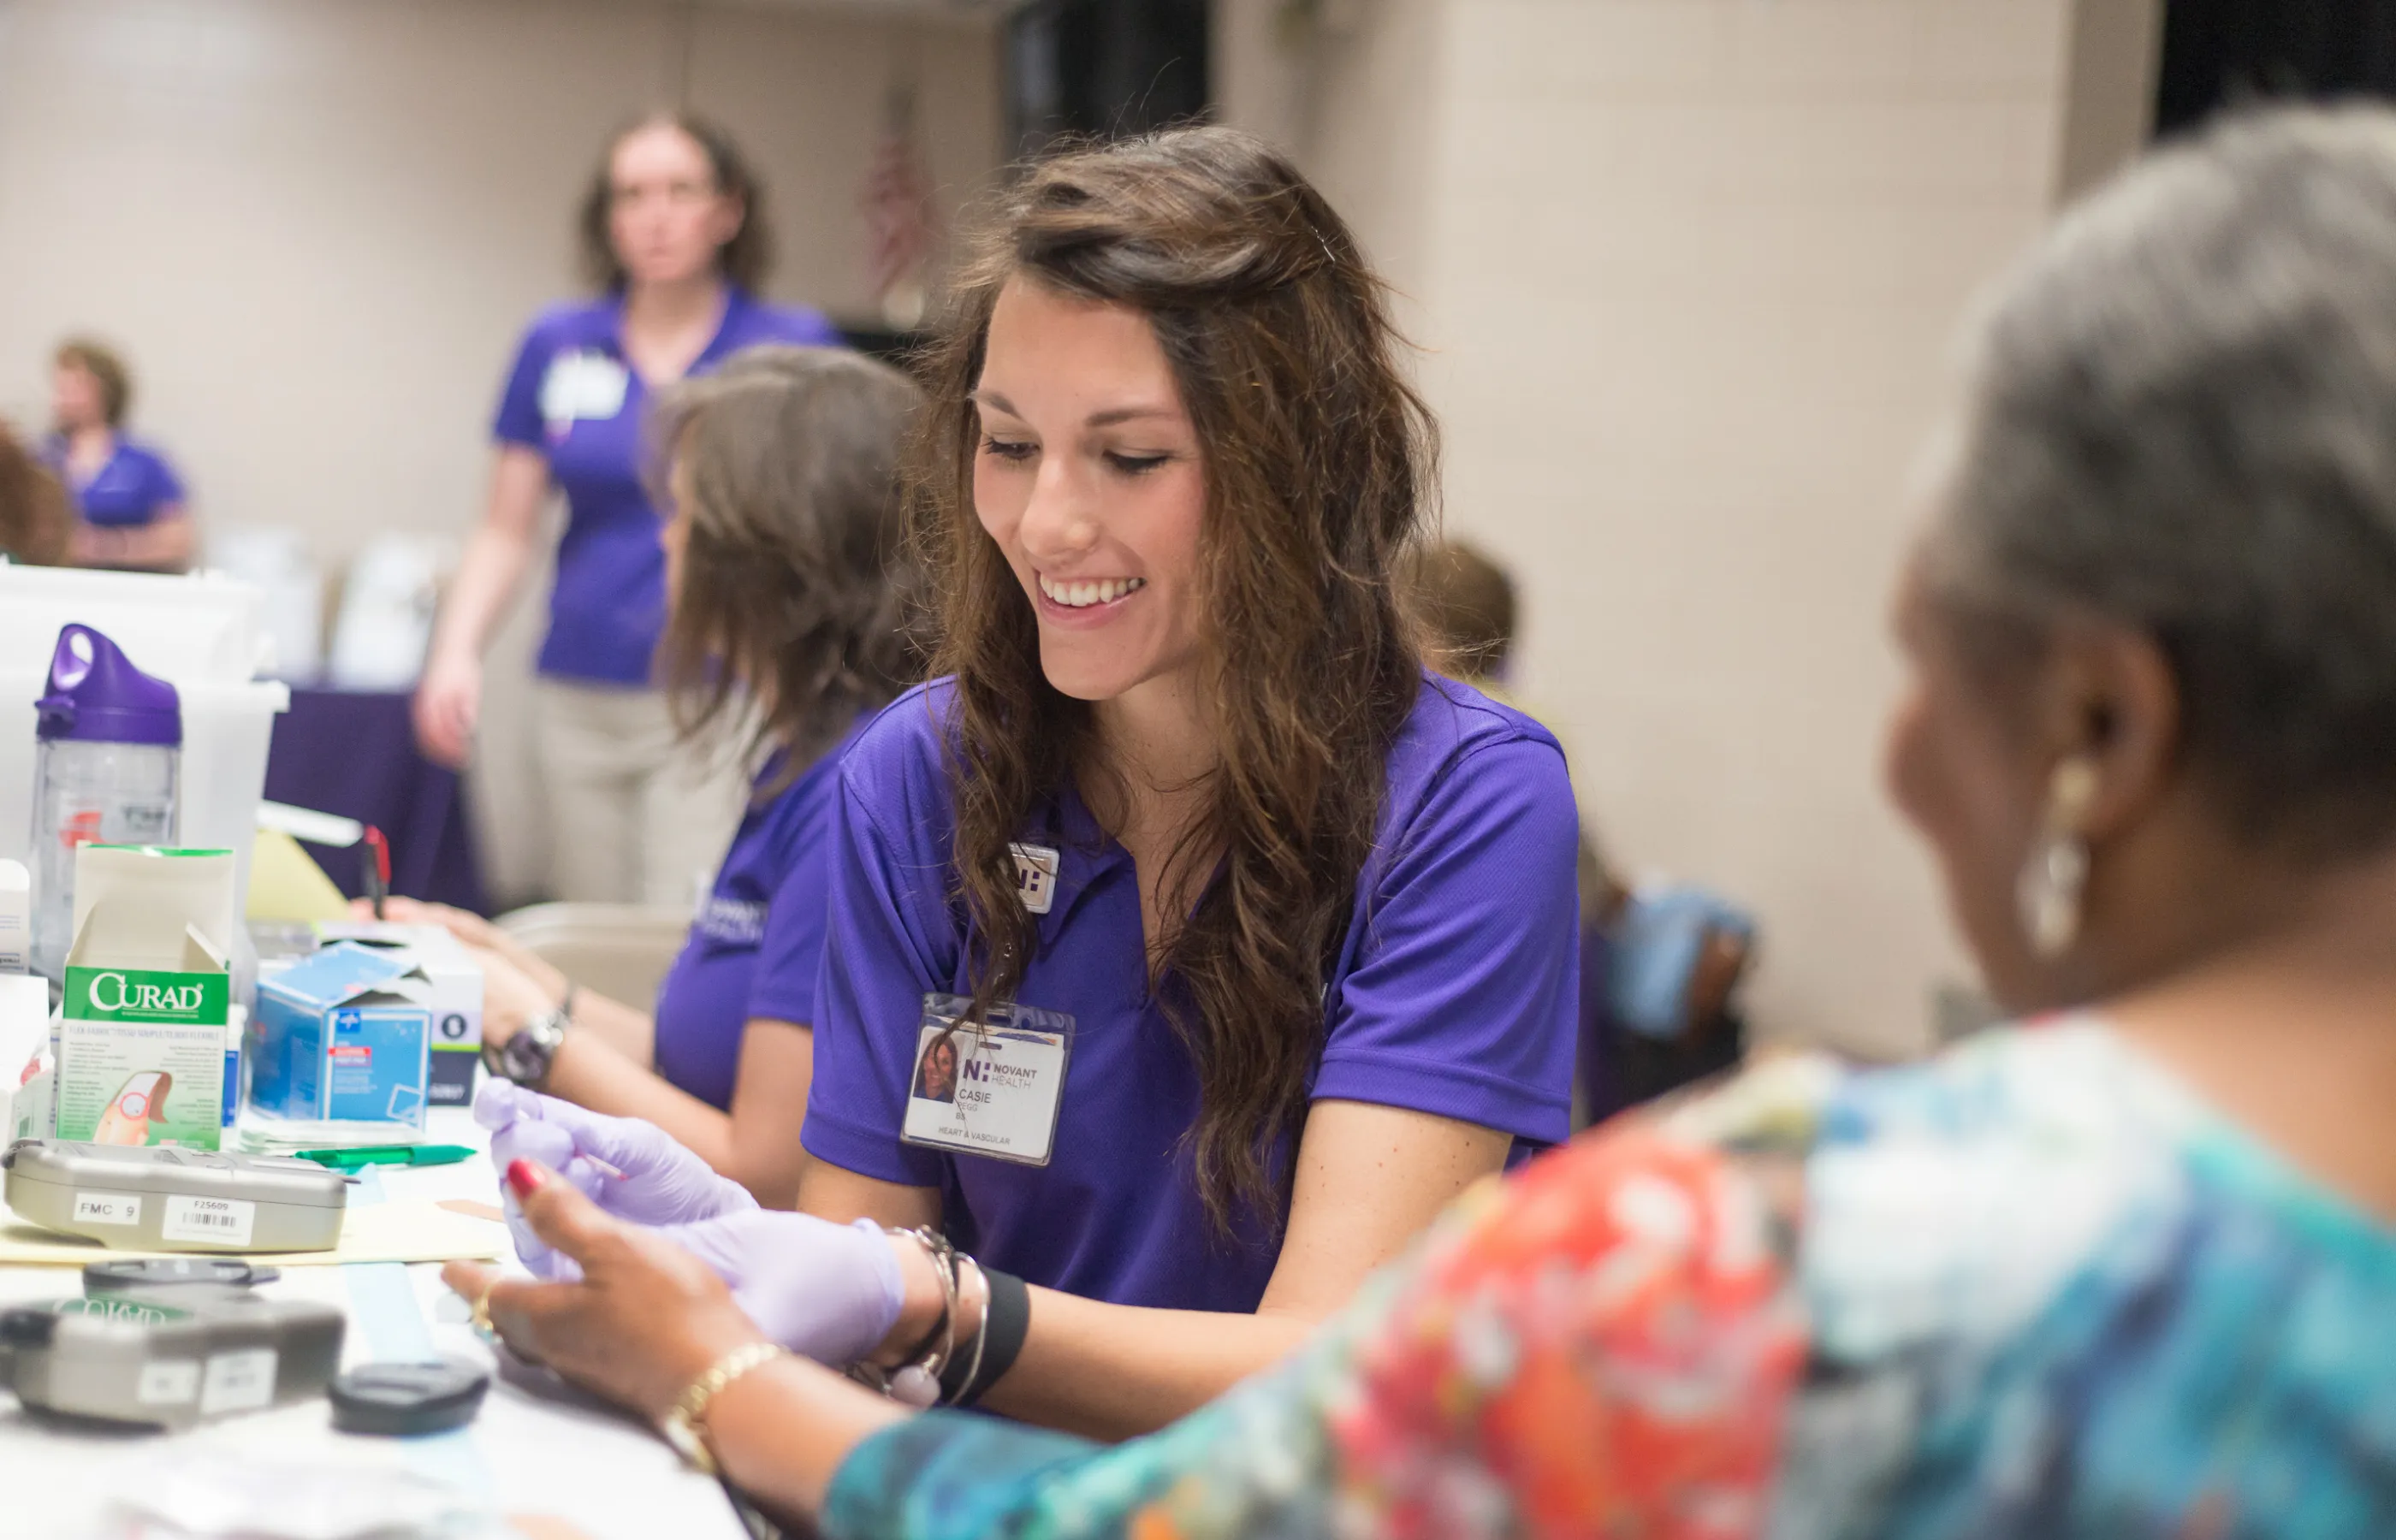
(987, 1088)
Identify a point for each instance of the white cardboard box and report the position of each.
(26, 1072)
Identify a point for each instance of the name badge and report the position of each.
(579, 385)
(988, 1088)
(1036, 877)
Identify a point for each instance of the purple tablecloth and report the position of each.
(353, 752)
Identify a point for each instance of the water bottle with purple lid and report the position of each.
(110, 745)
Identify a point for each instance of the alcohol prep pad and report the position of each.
(345, 1036)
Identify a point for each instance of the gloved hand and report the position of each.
(828, 1292)
(628, 1167)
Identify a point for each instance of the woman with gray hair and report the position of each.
(2127, 1268)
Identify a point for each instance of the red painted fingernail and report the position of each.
(526, 1177)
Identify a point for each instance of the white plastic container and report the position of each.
(204, 635)
(105, 772)
(16, 920)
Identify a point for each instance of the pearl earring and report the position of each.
(2054, 881)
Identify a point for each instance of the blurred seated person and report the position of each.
(2123, 1269)
(36, 519)
(1658, 964)
(786, 582)
(130, 508)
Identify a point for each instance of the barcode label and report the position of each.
(108, 1208)
(236, 1382)
(216, 1221)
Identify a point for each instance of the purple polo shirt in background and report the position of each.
(1455, 993)
(608, 606)
(133, 487)
(756, 946)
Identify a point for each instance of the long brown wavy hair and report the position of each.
(796, 580)
(1319, 462)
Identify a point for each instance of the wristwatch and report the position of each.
(526, 1057)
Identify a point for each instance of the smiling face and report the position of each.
(667, 218)
(939, 1071)
(1090, 479)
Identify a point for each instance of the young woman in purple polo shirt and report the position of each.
(786, 582)
(674, 234)
(1256, 941)
(132, 513)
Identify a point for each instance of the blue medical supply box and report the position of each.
(346, 1034)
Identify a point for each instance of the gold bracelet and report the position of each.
(681, 1424)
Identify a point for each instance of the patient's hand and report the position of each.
(645, 1318)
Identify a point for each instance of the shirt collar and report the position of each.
(1086, 853)
(737, 305)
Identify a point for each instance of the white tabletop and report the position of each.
(564, 1467)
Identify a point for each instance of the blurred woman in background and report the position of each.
(2125, 1269)
(787, 581)
(130, 505)
(675, 239)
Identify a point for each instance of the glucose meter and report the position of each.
(168, 1357)
(164, 1199)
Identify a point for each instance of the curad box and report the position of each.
(141, 1052)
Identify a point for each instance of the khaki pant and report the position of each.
(633, 817)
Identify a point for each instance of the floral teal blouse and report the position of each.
(2030, 1289)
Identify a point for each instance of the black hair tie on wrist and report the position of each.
(1008, 1322)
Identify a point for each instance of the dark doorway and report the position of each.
(1103, 68)
(2219, 53)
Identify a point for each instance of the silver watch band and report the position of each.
(526, 1057)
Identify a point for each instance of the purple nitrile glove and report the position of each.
(631, 1168)
(828, 1292)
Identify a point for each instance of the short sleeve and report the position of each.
(799, 326)
(518, 419)
(165, 487)
(887, 937)
(1463, 997)
(789, 956)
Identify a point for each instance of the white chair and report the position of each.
(619, 951)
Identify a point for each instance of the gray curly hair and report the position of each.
(2183, 419)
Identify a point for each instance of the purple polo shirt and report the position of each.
(572, 396)
(757, 944)
(133, 487)
(1455, 993)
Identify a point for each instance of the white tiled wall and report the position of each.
(1689, 273)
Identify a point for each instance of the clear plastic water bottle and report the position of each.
(109, 747)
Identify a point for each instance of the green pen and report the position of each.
(366, 1155)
